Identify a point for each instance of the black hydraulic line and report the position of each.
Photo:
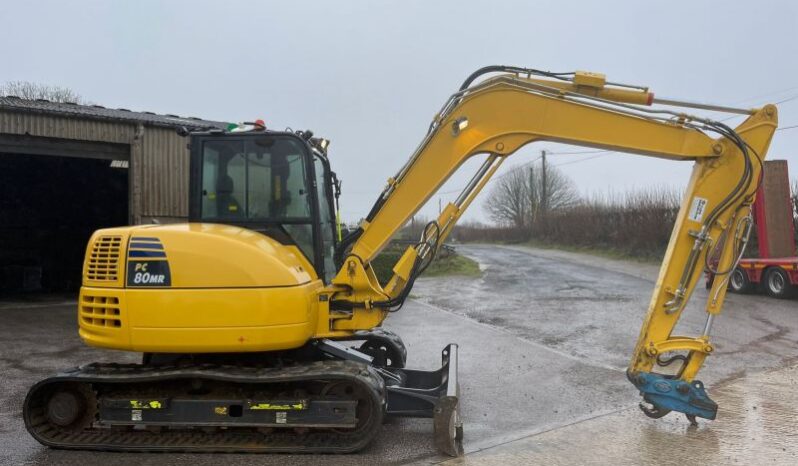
(744, 147)
(510, 69)
(744, 181)
(419, 266)
(341, 249)
(738, 191)
(376, 207)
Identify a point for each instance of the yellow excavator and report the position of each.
(260, 324)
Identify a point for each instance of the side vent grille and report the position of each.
(104, 259)
(102, 311)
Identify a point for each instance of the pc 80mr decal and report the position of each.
(148, 273)
(147, 264)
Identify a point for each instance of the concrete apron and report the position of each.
(757, 424)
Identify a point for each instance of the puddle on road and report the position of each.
(757, 424)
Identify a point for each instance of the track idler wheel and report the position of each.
(64, 408)
(70, 407)
(448, 426)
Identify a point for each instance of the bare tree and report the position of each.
(32, 91)
(508, 200)
(550, 191)
(520, 197)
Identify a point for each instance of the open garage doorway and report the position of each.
(49, 207)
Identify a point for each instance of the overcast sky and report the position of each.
(369, 76)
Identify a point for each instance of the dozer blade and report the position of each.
(431, 394)
(448, 427)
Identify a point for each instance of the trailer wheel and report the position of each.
(739, 281)
(777, 283)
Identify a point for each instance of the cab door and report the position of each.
(327, 225)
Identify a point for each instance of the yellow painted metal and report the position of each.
(360, 319)
(401, 272)
(592, 84)
(102, 336)
(590, 79)
(324, 318)
(503, 116)
(208, 320)
(711, 181)
(218, 256)
(102, 264)
(449, 217)
(675, 343)
(232, 290)
(507, 112)
(694, 363)
(236, 290)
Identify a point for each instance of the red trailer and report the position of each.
(775, 272)
(777, 277)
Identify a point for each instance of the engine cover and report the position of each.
(195, 288)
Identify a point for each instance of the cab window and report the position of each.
(259, 180)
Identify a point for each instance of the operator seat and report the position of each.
(226, 203)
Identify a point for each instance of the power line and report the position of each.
(548, 152)
(601, 153)
(498, 177)
(760, 96)
(584, 160)
(576, 152)
(785, 100)
(525, 164)
(767, 94)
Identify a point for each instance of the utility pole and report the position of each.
(544, 198)
(534, 204)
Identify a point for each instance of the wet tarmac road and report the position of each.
(592, 308)
(544, 338)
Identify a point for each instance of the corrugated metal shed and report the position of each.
(98, 112)
(159, 159)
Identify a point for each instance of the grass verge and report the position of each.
(453, 264)
(607, 252)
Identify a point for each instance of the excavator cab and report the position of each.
(278, 184)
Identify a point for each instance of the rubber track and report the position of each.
(229, 440)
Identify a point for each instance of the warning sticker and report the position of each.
(135, 415)
(697, 209)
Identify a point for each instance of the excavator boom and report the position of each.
(503, 113)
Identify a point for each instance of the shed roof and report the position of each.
(98, 112)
